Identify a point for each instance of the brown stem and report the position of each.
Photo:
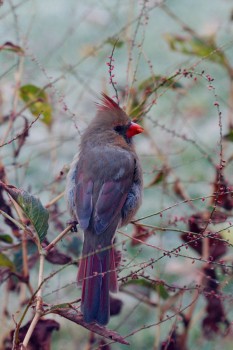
(54, 200)
(25, 256)
(38, 303)
(58, 238)
(25, 267)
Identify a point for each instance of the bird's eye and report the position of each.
(119, 129)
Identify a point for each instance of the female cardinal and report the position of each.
(104, 190)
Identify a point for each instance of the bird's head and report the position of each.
(110, 117)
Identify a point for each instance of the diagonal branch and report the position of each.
(76, 316)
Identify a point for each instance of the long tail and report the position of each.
(97, 273)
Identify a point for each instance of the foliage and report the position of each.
(174, 261)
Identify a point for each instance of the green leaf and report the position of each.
(37, 101)
(59, 306)
(115, 42)
(32, 208)
(156, 286)
(161, 290)
(6, 239)
(5, 262)
(8, 46)
(229, 136)
(202, 47)
(227, 235)
(154, 82)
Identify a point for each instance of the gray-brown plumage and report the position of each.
(104, 189)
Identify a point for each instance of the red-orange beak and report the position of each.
(134, 129)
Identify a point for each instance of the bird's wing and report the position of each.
(83, 200)
(111, 199)
(103, 182)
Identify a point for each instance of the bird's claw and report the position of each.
(74, 224)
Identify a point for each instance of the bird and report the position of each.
(103, 193)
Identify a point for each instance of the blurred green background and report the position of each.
(66, 46)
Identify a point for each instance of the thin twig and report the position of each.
(21, 133)
(58, 238)
(54, 200)
(111, 68)
(17, 223)
(25, 266)
(172, 206)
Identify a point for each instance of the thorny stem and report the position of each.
(139, 297)
(165, 319)
(197, 235)
(21, 133)
(172, 206)
(174, 252)
(111, 68)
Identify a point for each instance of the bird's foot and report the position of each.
(74, 224)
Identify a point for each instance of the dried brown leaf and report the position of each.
(215, 321)
(41, 336)
(140, 234)
(115, 306)
(217, 246)
(222, 191)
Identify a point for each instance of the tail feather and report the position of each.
(98, 276)
(91, 288)
(103, 313)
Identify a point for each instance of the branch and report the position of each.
(38, 303)
(54, 200)
(75, 316)
(58, 238)
(21, 133)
